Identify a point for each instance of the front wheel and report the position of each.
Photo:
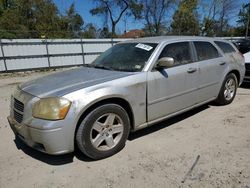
(228, 90)
(103, 132)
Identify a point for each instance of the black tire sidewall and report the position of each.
(83, 133)
(221, 98)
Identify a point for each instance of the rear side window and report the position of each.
(225, 47)
(179, 51)
(205, 50)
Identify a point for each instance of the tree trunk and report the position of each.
(247, 28)
(113, 30)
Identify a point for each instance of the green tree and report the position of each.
(43, 18)
(185, 19)
(29, 18)
(37, 18)
(11, 25)
(104, 33)
(227, 8)
(211, 27)
(6, 4)
(90, 31)
(216, 17)
(73, 22)
(155, 12)
(244, 19)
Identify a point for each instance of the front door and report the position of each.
(173, 89)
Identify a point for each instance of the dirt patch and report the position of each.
(159, 156)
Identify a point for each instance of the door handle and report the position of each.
(192, 70)
(222, 63)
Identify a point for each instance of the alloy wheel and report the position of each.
(229, 90)
(107, 131)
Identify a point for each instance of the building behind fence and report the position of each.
(28, 54)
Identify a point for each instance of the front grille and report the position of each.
(18, 105)
(18, 110)
(18, 117)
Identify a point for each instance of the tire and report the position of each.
(103, 132)
(228, 90)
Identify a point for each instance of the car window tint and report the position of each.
(180, 52)
(130, 57)
(225, 47)
(205, 50)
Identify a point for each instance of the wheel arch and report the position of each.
(114, 100)
(237, 74)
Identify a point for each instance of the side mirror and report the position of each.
(165, 62)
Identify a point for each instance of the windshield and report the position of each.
(130, 57)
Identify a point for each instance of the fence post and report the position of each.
(83, 57)
(47, 50)
(4, 60)
(112, 42)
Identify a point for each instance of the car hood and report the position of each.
(59, 84)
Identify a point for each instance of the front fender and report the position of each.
(132, 90)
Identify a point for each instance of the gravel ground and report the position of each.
(206, 147)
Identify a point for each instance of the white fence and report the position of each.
(28, 54)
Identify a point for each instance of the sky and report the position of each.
(84, 6)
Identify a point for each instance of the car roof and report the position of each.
(160, 39)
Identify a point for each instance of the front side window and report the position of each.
(130, 57)
(225, 47)
(205, 51)
(180, 52)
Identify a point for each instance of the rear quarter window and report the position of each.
(205, 50)
(225, 47)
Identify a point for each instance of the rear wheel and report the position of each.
(228, 90)
(103, 132)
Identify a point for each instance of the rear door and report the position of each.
(211, 68)
(173, 89)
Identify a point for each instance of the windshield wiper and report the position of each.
(88, 65)
(109, 68)
(102, 67)
(98, 66)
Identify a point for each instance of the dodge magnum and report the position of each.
(132, 85)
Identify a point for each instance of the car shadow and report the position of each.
(245, 85)
(50, 159)
(166, 123)
(56, 160)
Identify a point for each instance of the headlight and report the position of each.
(51, 108)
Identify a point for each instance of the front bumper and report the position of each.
(51, 141)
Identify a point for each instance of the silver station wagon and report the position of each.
(131, 86)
